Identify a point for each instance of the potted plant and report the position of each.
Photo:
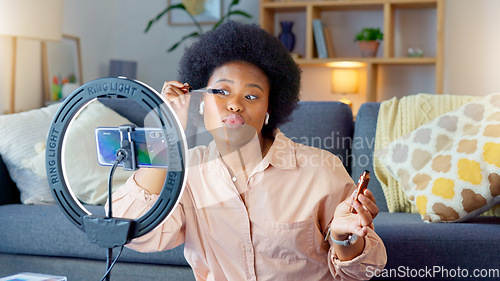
(199, 31)
(368, 41)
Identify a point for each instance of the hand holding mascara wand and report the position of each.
(178, 95)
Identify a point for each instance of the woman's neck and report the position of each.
(244, 158)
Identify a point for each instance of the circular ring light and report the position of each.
(166, 119)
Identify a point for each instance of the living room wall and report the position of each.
(113, 29)
(470, 59)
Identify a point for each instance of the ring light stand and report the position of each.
(109, 232)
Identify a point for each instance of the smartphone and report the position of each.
(362, 185)
(150, 146)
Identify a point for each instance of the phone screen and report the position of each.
(149, 146)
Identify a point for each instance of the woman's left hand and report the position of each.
(346, 222)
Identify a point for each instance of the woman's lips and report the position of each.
(233, 121)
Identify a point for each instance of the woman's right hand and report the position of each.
(177, 94)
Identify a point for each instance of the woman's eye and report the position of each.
(251, 97)
(218, 91)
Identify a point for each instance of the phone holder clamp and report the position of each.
(128, 147)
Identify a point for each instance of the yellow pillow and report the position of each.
(450, 167)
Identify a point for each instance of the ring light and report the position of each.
(111, 232)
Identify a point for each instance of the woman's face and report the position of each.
(237, 114)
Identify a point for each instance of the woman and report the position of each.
(255, 207)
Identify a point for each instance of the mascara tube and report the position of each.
(362, 185)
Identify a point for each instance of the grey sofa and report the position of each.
(41, 239)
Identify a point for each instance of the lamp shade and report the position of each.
(123, 68)
(34, 19)
(345, 80)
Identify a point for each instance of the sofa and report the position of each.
(39, 238)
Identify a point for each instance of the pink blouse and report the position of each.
(276, 233)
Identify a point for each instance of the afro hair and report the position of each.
(233, 41)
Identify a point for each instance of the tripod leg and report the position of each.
(109, 258)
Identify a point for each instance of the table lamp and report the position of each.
(31, 19)
(345, 80)
(123, 68)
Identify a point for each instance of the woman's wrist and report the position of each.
(337, 234)
(339, 237)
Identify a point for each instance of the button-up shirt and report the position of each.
(276, 233)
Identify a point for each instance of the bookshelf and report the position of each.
(388, 14)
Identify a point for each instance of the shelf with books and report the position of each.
(340, 20)
(382, 61)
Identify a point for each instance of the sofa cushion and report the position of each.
(45, 231)
(325, 125)
(414, 245)
(8, 190)
(363, 144)
(76, 269)
(450, 167)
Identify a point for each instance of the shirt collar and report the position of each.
(281, 155)
(282, 152)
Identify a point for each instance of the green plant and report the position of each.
(199, 32)
(369, 34)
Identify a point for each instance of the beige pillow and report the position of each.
(87, 179)
(450, 167)
(19, 133)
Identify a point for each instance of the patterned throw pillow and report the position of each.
(450, 167)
